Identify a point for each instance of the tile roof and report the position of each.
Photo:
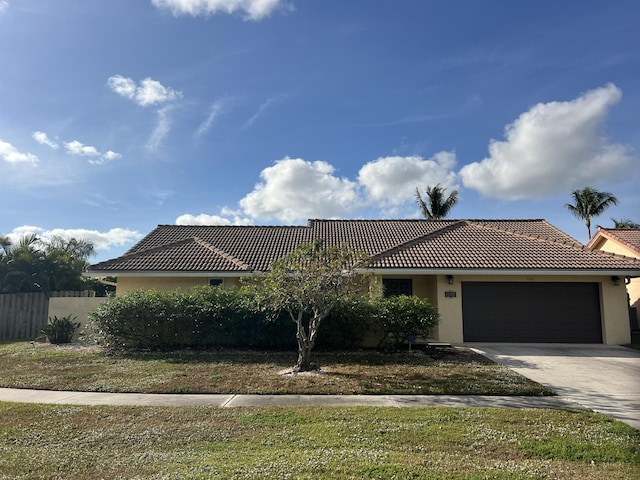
(629, 237)
(392, 244)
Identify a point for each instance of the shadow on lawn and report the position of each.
(452, 355)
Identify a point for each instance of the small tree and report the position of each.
(308, 283)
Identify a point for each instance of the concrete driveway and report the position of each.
(601, 378)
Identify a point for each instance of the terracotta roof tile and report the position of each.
(393, 244)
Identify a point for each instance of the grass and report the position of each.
(453, 371)
(81, 442)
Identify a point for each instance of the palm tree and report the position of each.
(5, 246)
(23, 266)
(439, 206)
(588, 203)
(624, 223)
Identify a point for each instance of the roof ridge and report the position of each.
(183, 241)
(456, 224)
(158, 248)
(222, 253)
(173, 225)
(532, 236)
(574, 245)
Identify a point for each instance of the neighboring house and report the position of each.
(491, 280)
(623, 241)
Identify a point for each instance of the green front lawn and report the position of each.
(80, 442)
(450, 371)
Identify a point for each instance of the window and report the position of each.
(215, 282)
(397, 286)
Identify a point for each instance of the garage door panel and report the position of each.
(531, 312)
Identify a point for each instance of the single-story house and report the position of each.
(623, 241)
(491, 280)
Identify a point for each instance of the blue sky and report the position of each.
(119, 115)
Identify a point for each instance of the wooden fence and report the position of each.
(22, 315)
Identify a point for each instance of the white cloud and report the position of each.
(161, 130)
(95, 157)
(123, 86)
(294, 189)
(111, 155)
(105, 157)
(77, 148)
(43, 139)
(10, 154)
(250, 9)
(204, 219)
(101, 240)
(552, 148)
(262, 108)
(151, 92)
(4, 5)
(393, 180)
(216, 108)
(148, 92)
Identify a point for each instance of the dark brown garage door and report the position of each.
(531, 312)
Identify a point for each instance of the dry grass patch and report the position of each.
(448, 371)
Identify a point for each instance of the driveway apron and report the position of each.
(602, 378)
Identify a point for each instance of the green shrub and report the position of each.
(403, 318)
(347, 324)
(60, 330)
(212, 317)
(160, 320)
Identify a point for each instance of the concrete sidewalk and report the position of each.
(227, 401)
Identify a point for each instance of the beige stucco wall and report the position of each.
(633, 288)
(615, 313)
(613, 303)
(127, 284)
(447, 298)
(75, 307)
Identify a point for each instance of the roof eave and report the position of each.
(623, 272)
(165, 273)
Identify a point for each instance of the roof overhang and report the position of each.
(388, 271)
(497, 272)
(103, 273)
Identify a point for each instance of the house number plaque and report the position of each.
(450, 294)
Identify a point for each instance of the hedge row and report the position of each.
(212, 317)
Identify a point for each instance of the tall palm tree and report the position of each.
(590, 202)
(439, 205)
(624, 223)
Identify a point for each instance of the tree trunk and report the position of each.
(304, 360)
(306, 341)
